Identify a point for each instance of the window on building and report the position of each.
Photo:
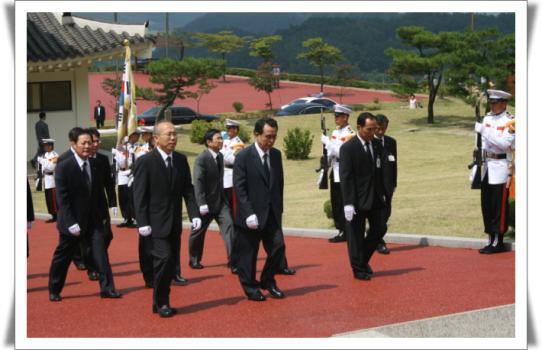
(49, 96)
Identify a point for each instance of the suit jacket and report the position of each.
(42, 130)
(108, 180)
(102, 116)
(361, 179)
(157, 201)
(209, 181)
(254, 194)
(76, 204)
(389, 167)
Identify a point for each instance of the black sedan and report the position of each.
(303, 108)
(179, 115)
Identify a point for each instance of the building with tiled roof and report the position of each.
(60, 49)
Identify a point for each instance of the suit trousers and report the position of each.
(126, 202)
(360, 246)
(99, 123)
(197, 237)
(337, 205)
(248, 243)
(50, 200)
(145, 258)
(230, 197)
(163, 266)
(495, 207)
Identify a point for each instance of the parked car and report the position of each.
(179, 115)
(304, 100)
(304, 108)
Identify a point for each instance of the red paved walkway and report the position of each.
(322, 299)
(235, 89)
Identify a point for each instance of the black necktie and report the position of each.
(85, 176)
(219, 162)
(266, 167)
(169, 168)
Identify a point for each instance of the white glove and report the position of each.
(478, 127)
(75, 229)
(145, 231)
(196, 224)
(115, 211)
(325, 140)
(349, 212)
(29, 224)
(252, 222)
(204, 210)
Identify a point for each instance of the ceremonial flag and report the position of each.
(127, 122)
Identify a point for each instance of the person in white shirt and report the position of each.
(412, 104)
(47, 162)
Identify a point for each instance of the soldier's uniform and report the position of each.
(124, 159)
(498, 144)
(338, 137)
(47, 162)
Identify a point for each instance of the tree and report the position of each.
(262, 47)
(221, 43)
(320, 54)
(263, 81)
(173, 77)
(112, 87)
(427, 58)
(183, 40)
(343, 73)
(204, 87)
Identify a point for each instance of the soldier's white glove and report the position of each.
(349, 212)
(252, 222)
(29, 224)
(478, 127)
(145, 231)
(325, 140)
(75, 229)
(115, 211)
(204, 210)
(196, 224)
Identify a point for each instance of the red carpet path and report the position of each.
(220, 99)
(322, 299)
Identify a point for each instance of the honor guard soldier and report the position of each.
(340, 135)
(47, 164)
(232, 144)
(124, 159)
(498, 143)
(146, 137)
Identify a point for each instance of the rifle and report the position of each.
(39, 177)
(324, 166)
(477, 159)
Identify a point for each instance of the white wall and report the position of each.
(61, 122)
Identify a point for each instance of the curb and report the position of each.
(396, 238)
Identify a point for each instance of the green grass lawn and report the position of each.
(433, 194)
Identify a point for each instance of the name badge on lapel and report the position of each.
(378, 162)
(391, 158)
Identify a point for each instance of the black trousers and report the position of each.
(337, 205)
(63, 255)
(145, 258)
(360, 246)
(99, 123)
(50, 200)
(126, 202)
(176, 244)
(230, 197)
(248, 243)
(495, 207)
(163, 252)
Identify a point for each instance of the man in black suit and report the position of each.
(42, 132)
(210, 197)
(364, 195)
(29, 215)
(161, 179)
(258, 182)
(389, 168)
(99, 114)
(80, 199)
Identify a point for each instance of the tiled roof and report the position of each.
(49, 39)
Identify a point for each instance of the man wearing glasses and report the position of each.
(498, 143)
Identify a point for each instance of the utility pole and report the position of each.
(115, 20)
(167, 34)
(472, 21)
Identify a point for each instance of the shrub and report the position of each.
(238, 106)
(327, 209)
(200, 127)
(376, 100)
(298, 143)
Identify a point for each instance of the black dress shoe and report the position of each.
(234, 271)
(340, 237)
(364, 276)
(80, 267)
(55, 297)
(382, 249)
(196, 265)
(113, 294)
(256, 296)
(50, 221)
(93, 276)
(275, 292)
(368, 269)
(490, 249)
(179, 281)
(122, 224)
(131, 225)
(164, 311)
(286, 271)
